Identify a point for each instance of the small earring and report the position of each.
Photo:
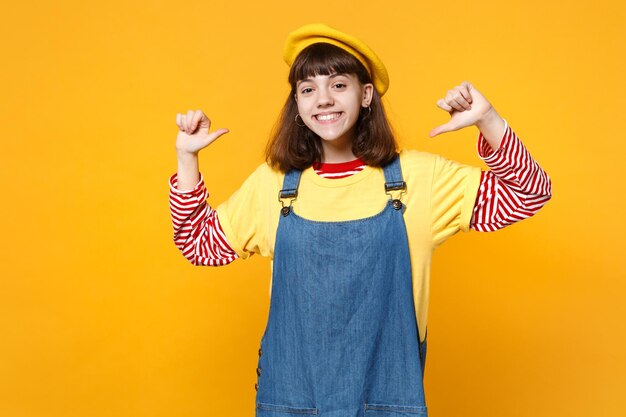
(296, 118)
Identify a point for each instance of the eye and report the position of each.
(306, 90)
(340, 85)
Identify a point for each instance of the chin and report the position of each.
(331, 136)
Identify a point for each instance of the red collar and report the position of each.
(338, 166)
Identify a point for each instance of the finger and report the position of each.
(194, 121)
(458, 97)
(189, 118)
(205, 121)
(183, 122)
(461, 104)
(465, 90)
(441, 103)
(179, 121)
(451, 101)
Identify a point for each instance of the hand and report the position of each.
(194, 132)
(466, 105)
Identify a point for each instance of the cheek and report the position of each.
(302, 106)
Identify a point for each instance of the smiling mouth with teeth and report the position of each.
(326, 117)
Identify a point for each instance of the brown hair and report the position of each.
(293, 146)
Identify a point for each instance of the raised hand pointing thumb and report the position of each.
(194, 132)
(466, 106)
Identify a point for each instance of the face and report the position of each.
(330, 104)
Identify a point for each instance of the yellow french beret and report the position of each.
(320, 33)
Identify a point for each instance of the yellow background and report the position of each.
(100, 315)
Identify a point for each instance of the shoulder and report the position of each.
(431, 169)
(414, 162)
(263, 181)
(411, 159)
(412, 156)
(265, 170)
(265, 176)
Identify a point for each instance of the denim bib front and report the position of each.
(341, 338)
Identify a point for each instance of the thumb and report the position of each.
(446, 127)
(211, 137)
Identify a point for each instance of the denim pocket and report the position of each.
(273, 410)
(390, 410)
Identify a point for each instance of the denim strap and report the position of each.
(290, 184)
(393, 176)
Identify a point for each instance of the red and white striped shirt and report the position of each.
(513, 189)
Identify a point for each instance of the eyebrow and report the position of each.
(336, 74)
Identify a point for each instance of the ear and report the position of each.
(368, 91)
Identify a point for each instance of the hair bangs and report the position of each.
(325, 59)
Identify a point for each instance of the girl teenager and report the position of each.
(350, 225)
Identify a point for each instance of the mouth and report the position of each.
(328, 117)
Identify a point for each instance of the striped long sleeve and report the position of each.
(197, 230)
(513, 189)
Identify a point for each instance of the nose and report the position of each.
(324, 98)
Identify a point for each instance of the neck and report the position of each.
(337, 157)
(338, 150)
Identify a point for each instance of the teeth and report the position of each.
(328, 116)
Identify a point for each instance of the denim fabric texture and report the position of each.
(341, 338)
